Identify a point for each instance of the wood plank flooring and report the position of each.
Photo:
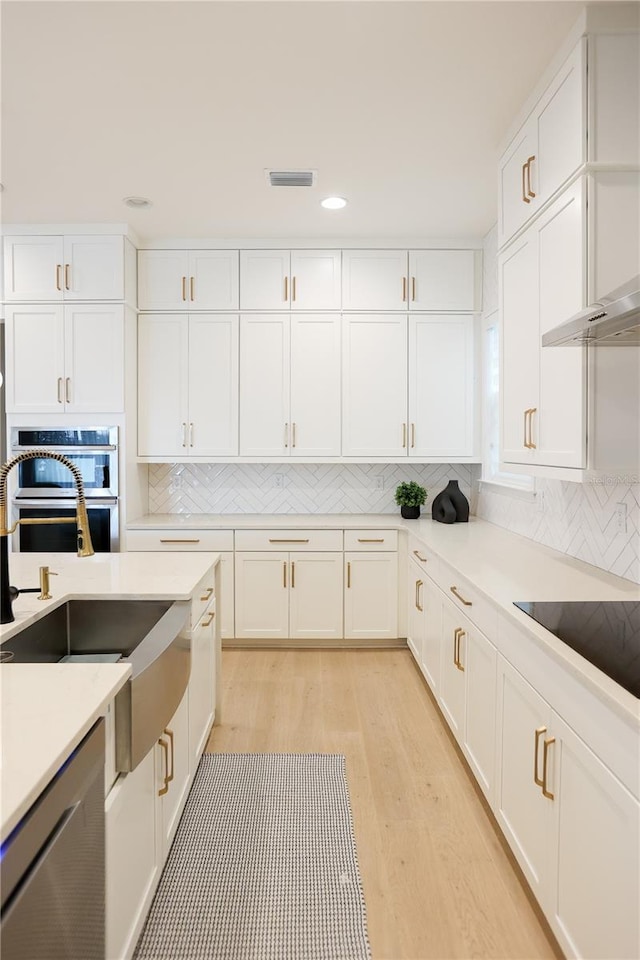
(438, 881)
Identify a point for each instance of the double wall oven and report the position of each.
(45, 487)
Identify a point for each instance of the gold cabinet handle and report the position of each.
(59, 389)
(404, 436)
(530, 192)
(288, 540)
(284, 574)
(192, 294)
(172, 540)
(184, 434)
(293, 289)
(67, 389)
(58, 276)
(419, 584)
(532, 445)
(184, 288)
(536, 779)
(207, 623)
(413, 289)
(524, 198)
(545, 759)
(413, 435)
(293, 434)
(165, 747)
(459, 664)
(525, 442)
(190, 434)
(422, 559)
(293, 574)
(286, 434)
(169, 733)
(207, 594)
(404, 289)
(348, 573)
(67, 283)
(456, 634)
(454, 591)
(370, 539)
(286, 289)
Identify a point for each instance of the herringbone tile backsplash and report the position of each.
(295, 488)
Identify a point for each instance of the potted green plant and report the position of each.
(410, 496)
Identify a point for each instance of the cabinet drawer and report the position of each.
(183, 540)
(425, 558)
(288, 540)
(468, 600)
(371, 540)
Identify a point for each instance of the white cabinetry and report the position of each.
(437, 280)
(187, 385)
(290, 385)
(202, 684)
(65, 359)
(371, 596)
(299, 279)
(173, 765)
(188, 280)
(425, 623)
(48, 268)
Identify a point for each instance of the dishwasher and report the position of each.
(52, 871)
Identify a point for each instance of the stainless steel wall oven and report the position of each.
(45, 488)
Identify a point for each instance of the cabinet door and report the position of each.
(265, 428)
(225, 608)
(264, 280)
(559, 425)
(173, 772)
(316, 279)
(441, 378)
(213, 280)
(93, 268)
(213, 385)
(432, 645)
(479, 659)
(374, 280)
(35, 359)
(516, 203)
(201, 683)
(442, 280)
(416, 613)
(375, 385)
(94, 359)
(132, 863)
(520, 346)
(595, 887)
(262, 596)
(454, 646)
(33, 268)
(371, 596)
(315, 385)
(163, 365)
(163, 277)
(315, 596)
(524, 815)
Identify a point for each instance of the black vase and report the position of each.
(450, 505)
(409, 513)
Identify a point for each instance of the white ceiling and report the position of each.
(399, 106)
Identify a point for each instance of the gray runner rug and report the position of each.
(263, 866)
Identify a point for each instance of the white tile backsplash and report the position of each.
(295, 488)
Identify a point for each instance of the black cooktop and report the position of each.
(606, 633)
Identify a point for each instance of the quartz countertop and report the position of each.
(46, 709)
(266, 521)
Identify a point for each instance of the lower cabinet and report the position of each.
(202, 684)
(172, 774)
(371, 596)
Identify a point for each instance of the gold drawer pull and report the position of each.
(454, 591)
(276, 540)
(59, 389)
(192, 288)
(545, 757)
(184, 288)
(459, 634)
(524, 197)
(348, 573)
(207, 623)
(165, 748)
(536, 779)
(416, 553)
(67, 284)
(530, 192)
(284, 574)
(67, 389)
(207, 594)
(418, 598)
(286, 289)
(179, 541)
(293, 289)
(58, 274)
(169, 733)
(293, 573)
(404, 289)
(372, 540)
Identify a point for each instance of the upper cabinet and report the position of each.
(296, 279)
(433, 280)
(50, 268)
(188, 280)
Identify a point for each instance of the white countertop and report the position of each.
(46, 709)
(266, 521)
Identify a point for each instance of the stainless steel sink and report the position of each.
(148, 634)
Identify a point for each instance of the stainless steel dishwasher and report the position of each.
(52, 871)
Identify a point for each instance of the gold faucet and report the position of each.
(81, 519)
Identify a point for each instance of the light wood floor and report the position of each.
(437, 880)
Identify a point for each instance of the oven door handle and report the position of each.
(69, 502)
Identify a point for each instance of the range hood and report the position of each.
(612, 321)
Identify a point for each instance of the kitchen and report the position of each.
(420, 218)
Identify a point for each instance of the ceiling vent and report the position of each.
(291, 178)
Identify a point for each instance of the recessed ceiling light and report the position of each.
(138, 202)
(333, 203)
